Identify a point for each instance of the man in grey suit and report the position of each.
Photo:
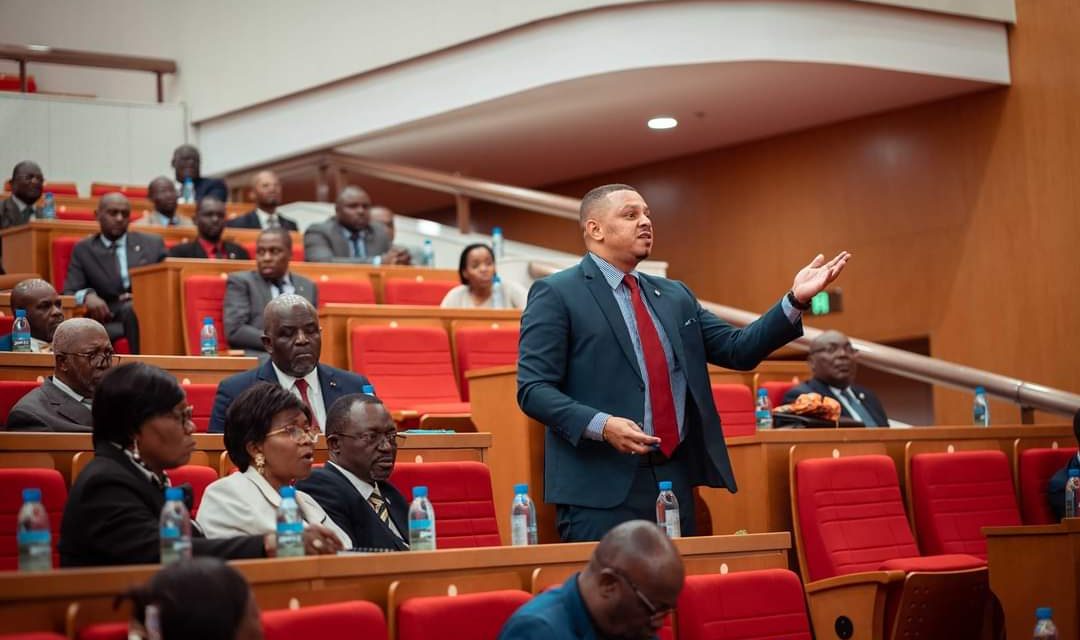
(351, 235)
(247, 292)
(63, 402)
(27, 182)
(99, 272)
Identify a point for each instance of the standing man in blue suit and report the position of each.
(293, 339)
(613, 362)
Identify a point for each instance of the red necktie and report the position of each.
(664, 422)
(302, 386)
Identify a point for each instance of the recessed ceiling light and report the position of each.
(663, 122)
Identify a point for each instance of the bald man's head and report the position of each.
(42, 304)
(832, 359)
(266, 189)
(162, 192)
(291, 334)
(186, 162)
(27, 182)
(353, 208)
(83, 354)
(113, 214)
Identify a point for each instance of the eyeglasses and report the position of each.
(184, 415)
(95, 358)
(831, 349)
(369, 438)
(298, 433)
(645, 602)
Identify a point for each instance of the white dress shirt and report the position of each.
(85, 401)
(314, 392)
(265, 218)
(365, 490)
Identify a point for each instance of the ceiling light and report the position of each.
(663, 122)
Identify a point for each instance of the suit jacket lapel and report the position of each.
(328, 385)
(337, 239)
(605, 299)
(136, 252)
(107, 260)
(65, 406)
(267, 373)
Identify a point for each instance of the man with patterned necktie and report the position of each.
(832, 362)
(353, 487)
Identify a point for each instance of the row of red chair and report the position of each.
(71, 189)
(735, 404)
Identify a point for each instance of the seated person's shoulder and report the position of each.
(793, 393)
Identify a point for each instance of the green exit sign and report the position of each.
(826, 302)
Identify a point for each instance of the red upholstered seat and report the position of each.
(297, 250)
(61, 257)
(955, 495)
(104, 631)
(121, 346)
(65, 212)
(416, 291)
(350, 291)
(201, 399)
(35, 635)
(204, 296)
(776, 391)
(11, 391)
(338, 621)
(12, 82)
(744, 604)
(484, 346)
(53, 496)
(131, 191)
(5, 323)
(735, 404)
(410, 367)
(198, 476)
(946, 562)
(1035, 468)
(61, 188)
(461, 494)
(471, 616)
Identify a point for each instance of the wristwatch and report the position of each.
(795, 302)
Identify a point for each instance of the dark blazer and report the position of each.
(555, 613)
(326, 242)
(250, 220)
(93, 265)
(1055, 488)
(246, 295)
(345, 506)
(211, 187)
(112, 517)
(869, 401)
(576, 359)
(10, 216)
(6, 343)
(334, 383)
(47, 408)
(192, 249)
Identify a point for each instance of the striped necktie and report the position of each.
(378, 505)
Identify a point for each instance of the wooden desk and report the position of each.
(157, 292)
(43, 601)
(193, 369)
(67, 302)
(1036, 566)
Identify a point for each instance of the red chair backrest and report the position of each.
(64, 212)
(416, 291)
(11, 391)
(204, 296)
(470, 616)
(358, 291)
(745, 604)
(53, 496)
(38, 635)
(198, 476)
(62, 249)
(201, 398)
(461, 494)
(338, 621)
(407, 365)
(297, 250)
(955, 495)
(484, 346)
(5, 323)
(776, 391)
(11, 82)
(131, 191)
(104, 631)
(1035, 468)
(121, 346)
(735, 404)
(61, 188)
(851, 515)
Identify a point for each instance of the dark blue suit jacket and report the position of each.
(334, 384)
(576, 359)
(211, 187)
(555, 613)
(1055, 488)
(250, 220)
(867, 397)
(346, 507)
(5, 342)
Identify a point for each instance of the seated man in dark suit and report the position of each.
(63, 402)
(210, 221)
(266, 188)
(43, 311)
(247, 292)
(99, 272)
(293, 339)
(187, 164)
(1055, 489)
(631, 583)
(832, 362)
(351, 235)
(353, 487)
(27, 183)
(162, 192)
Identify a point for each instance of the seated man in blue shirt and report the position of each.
(43, 311)
(1055, 489)
(631, 584)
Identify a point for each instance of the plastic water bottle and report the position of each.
(981, 412)
(427, 254)
(1045, 629)
(290, 526)
(48, 210)
(763, 410)
(1072, 494)
(175, 527)
(20, 332)
(33, 534)
(151, 622)
(188, 193)
(421, 521)
(522, 518)
(667, 510)
(497, 300)
(497, 242)
(367, 389)
(208, 337)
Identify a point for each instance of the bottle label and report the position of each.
(763, 417)
(422, 535)
(290, 528)
(671, 524)
(34, 537)
(519, 530)
(170, 532)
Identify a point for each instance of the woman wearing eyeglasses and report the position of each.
(271, 440)
(141, 428)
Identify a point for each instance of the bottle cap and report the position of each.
(419, 492)
(496, 231)
(20, 313)
(368, 389)
(48, 195)
(174, 493)
(208, 320)
(521, 488)
(762, 392)
(1073, 473)
(980, 389)
(496, 279)
(288, 492)
(427, 241)
(31, 494)
(1044, 613)
(665, 485)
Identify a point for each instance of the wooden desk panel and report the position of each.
(187, 369)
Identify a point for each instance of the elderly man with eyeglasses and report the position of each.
(628, 588)
(353, 487)
(832, 362)
(83, 354)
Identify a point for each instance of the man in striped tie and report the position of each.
(832, 362)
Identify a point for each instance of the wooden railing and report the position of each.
(24, 54)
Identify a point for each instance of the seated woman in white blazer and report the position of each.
(271, 440)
